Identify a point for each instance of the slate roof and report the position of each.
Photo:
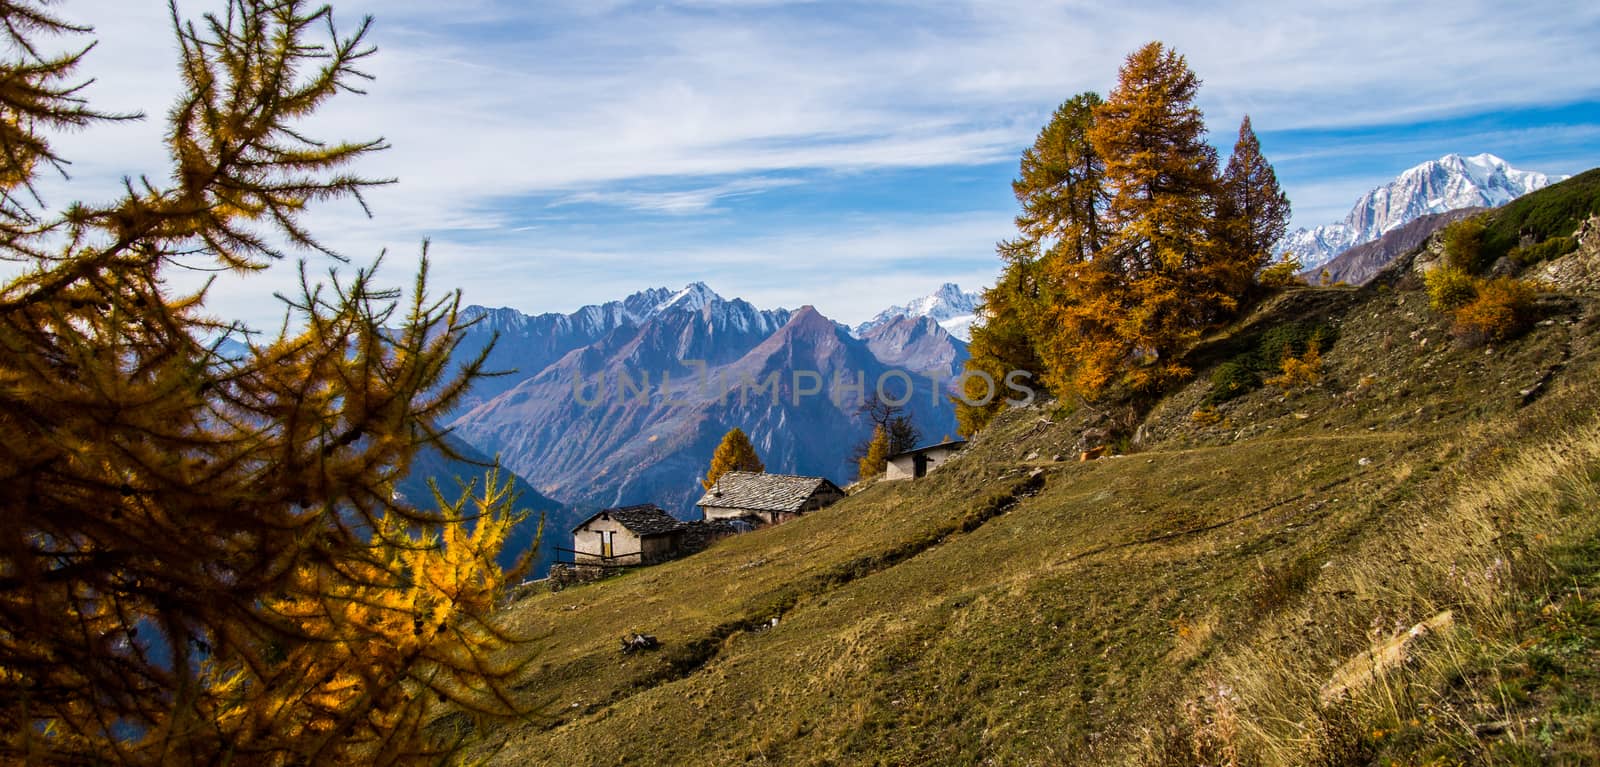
(644, 519)
(954, 444)
(763, 492)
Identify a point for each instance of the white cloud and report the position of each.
(679, 107)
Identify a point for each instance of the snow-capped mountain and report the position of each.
(528, 343)
(1449, 183)
(953, 309)
(624, 402)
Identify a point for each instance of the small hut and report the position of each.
(631, 535)
(914, 464)
(766, 498)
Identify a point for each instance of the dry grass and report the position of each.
(1184, 605)
(1483, 554)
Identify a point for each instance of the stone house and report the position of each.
(631, 535)
(913, 464)
(766, 498)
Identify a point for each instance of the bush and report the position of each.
(1206, 416)
(1282, 274)
(1550, 249)
(1449, 288)
(1502, 308)
(1299, 372)
(1463, 244)
(1273, 350)
(1232, 379)
(1290, 340)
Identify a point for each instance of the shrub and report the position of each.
(1463, 244)
(1449, 287)
(1550, 249)
(1501, 309)
(1206, 416)
(1282, 273)
(1299, 372)
(1232, 379)
(1290, 340)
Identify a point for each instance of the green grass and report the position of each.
(1185, 601)
(1555, 211)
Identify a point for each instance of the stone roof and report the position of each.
(763, 492)
(955, 444)
(643, 519)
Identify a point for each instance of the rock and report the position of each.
(1365, 668)
(1364, 462)
(1033, 456)
(639, 643)
(1058, 458)
(1578, 271)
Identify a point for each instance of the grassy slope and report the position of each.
(936, 623)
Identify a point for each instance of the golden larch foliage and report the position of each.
(203, 559)
(876, 461)
(735, 453)
(1158, 282)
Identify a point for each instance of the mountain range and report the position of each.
(954, 310)
(624, 402)
(1451, 182)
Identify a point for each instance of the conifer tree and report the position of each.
(1004, 340)
(735, 453)
(1252, 211)
(1061, 185)
(877, 458)
(1157, 279)
(1060, 188)
(202, 556)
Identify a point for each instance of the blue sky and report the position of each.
(847, 155)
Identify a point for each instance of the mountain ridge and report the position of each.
(954, 309)
(1449, 183)
(644, 388)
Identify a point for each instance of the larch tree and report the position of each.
(202, 556)
(1158, 278)
(900, 425)
(1252, 210)
(1005, 339)
(877, 458)
(1060, 189)
(735, 453)
(1061, 185)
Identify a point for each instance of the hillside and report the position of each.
(1362, 262)
(1197, 594)
(1395, 565)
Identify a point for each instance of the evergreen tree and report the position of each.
(1252, 211)
(1060, 188)
(1002, 341)
(1156, 281)
(735, 453)
(902, 428)
(203, 559)
(877, 458)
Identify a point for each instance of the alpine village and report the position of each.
(1201, 475)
